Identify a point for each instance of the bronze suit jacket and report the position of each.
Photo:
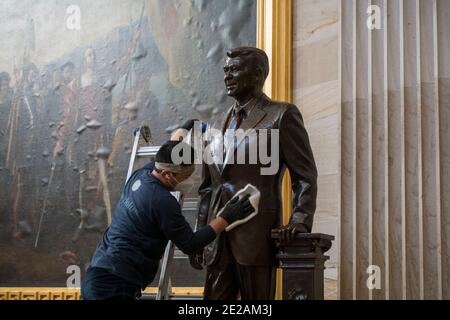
(251, 243)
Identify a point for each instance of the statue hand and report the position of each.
(196, 260)
(287, 233)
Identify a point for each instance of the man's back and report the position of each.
(133, 244)
(146, 217)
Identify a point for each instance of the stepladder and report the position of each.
(143, 147)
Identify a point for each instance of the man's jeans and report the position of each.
(100, 284)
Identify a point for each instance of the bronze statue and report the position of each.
(242, 260)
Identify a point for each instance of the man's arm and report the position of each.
(176, 228)
(296, 153)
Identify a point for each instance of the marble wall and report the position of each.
(316, 93)
(376, 106)
(394, 189)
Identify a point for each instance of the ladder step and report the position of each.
(147, 151)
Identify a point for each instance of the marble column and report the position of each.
(394, 149)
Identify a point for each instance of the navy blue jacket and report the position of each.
(146, 217)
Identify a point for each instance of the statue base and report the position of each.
(303, 262)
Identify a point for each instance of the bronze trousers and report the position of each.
(226, 279)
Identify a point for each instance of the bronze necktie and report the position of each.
(234, 124)
(236, 120)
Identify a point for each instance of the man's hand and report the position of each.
(178, 135)
(181, 132)
(237, 209)
(188, 125)
(287, 233)
(196, 260)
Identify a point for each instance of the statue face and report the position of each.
(239, 77)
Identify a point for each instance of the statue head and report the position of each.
(246, 70)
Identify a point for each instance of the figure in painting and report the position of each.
(20, 150)
(92, 123)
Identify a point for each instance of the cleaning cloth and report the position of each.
(255, 195)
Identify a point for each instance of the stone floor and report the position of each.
(330, 289)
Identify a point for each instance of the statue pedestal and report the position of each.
(302, 261)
